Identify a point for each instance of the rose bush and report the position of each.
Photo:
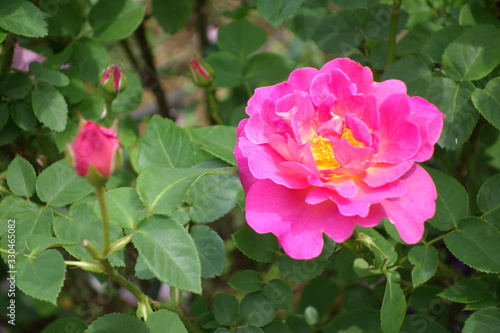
(331, 149)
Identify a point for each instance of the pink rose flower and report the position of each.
(331, 149)
(95, 147)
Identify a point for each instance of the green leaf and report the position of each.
(414, 71)
(437, 43)
(267, 68)
(16, 85)
(162, 189)
(350, 4)
(418, 323)
(4, 114)
(452, 203)
(218, 141)
(471, 58)
(34, 279)
(113, 20)
(358, 296)
(228, 69)
(276, 327)
(488, 200)
(247, 280)
(467, 291)
(303, 270)
(141, 269)
(172, 15)
(454, 100)
(169, 252)
(59, 185)
(226, 309)
(477, 244)
(117, 323)
(389, 256)
(92, 58)
(23, 18)
(60, 325)
(339, 32)
(21, 177)
(36, 243)
(483, 321)
(276, 11)
(50, 107)
(130, 100)
(165, 144)
(280, 294)
(305, 21)
(394, 304)
(259, 247)
(21, 112)
(349, 321)
(487, 101)
(125, 208)
(211, 250)
(241, 38)
(163, 321)
(425, 260)
(257, 309)
(212, 197)
(320, 293)
(81, 223)
(52, 76)
(13, 206)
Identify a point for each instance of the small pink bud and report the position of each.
(202, 73)
(113, 81)
(95, 152)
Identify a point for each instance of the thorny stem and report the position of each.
(391, 53)
(105, 220)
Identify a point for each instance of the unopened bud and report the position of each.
(202, 73)
(113, 81)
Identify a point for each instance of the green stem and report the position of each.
(391, 53)
(247, 87)
(214, 108)
(111, 272)
(105, 220)
(437, 239)
(192, 327)
(109, 113)
(7, 54)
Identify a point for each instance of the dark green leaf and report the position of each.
(276, 11)
(21, 112)
(92, 58)
(211, 250)
(218, 141)
(21, 177)
(276, 327)
(477, 244)
(362, 320)
(117, 323)
(484, 321)
(163, 321)
(36, 280)
(247, 280)
(471, 58)
(280, 294)
(437, 43)
(226, 309)
(267, 68)
(414, 71)
(425, 260)
(358, 296)
(169, 253)
(130, 100)
(241, 38)
(350, 4)
(59, 185)
(339, 32)
(16, 85)
(52, 76)
(394, 304)
(228, 69)
(487, 101)
(467, 291)
(263, 248)
(4, 114)
(257, 309)
(165, 144)
(389, 256)
(488, 200)
(320, 293)
(172, 15)
(50, 107)
(23, 18)
(418, 323)
(60, 325)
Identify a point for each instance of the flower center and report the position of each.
(322, 149)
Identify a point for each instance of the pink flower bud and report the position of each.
(202, 73)
(113, 80)
(95, 150)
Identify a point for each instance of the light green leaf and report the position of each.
(257, 309)
(467, 291)
(211, 250)
(394, 304)
(488, 200)
(226, 309)
(247, 280)
(390, 255)
(36, 243)
(113, 20)
(477, 244)
(125, 208)
(228, 69)
(117, 323)
(59, 185)
(172, 15)
(36, 280)
(241, 38)
(425, 260)
(470, 58)
(52, 76)
(16, 208)
(23, 18)
(483, 321)
(165, 144)
(50, 107)
(21, 177)
(276, 11)
(487, 101)
(169, 252)
(452, 203)
(163, 321)
(454, 100)
(259, 247)
(218, 141)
